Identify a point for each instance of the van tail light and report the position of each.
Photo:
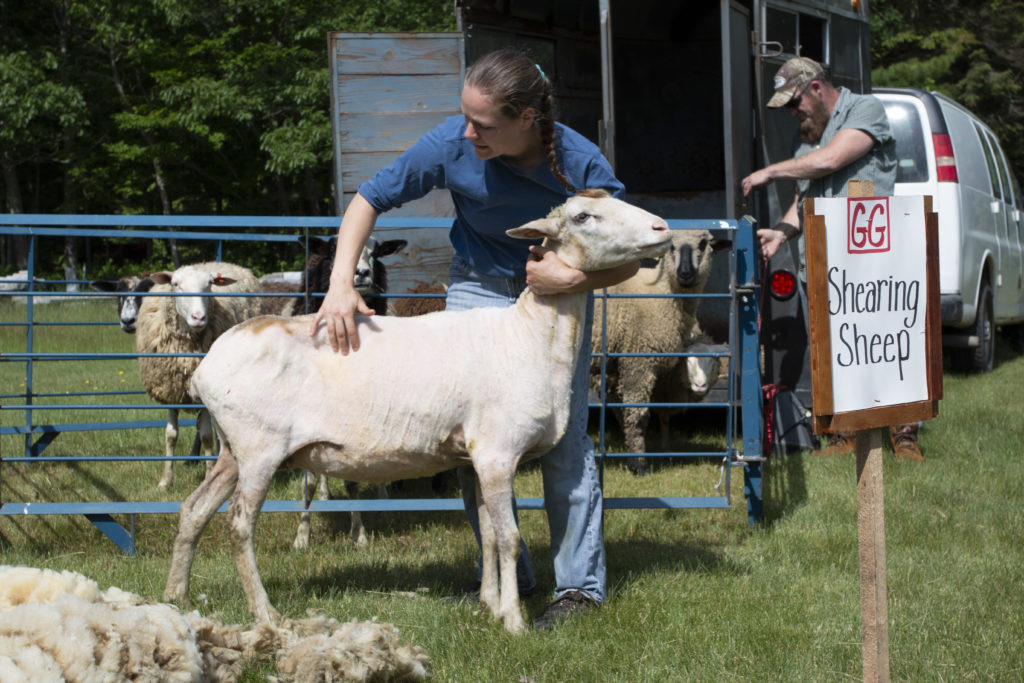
(945, 164)
(782, 284)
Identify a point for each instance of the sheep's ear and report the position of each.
(388, 247)
(161, 278)
(222, 281)
(317, 245)
(542, 227)
(720, 244)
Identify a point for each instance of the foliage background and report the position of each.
(222, 106)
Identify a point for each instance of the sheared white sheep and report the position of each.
(188, 324)
(650, 325)
(59, 626)
(487, 387)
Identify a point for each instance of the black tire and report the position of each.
(981, 357)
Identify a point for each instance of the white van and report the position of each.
(946, 152)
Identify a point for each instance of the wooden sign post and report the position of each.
(876, 354)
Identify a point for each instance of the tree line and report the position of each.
(222, 106)
(175, 106)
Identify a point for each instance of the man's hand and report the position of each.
(338, 311)
(755, 180)
(771, 239)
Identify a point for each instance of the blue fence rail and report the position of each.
(743, 389)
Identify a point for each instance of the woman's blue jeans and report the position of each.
(572, 492)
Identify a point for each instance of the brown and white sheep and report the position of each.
(487, 387)
(650, 325)
(187, 323)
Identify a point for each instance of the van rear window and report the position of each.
(912, 159)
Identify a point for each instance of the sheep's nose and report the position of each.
(197, 320)
(660, 226)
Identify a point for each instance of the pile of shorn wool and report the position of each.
(59, 626)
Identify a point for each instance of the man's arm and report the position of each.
(847, 146)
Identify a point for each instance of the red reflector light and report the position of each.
(945, 163)
(782, 284)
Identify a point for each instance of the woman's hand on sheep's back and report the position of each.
(338, 313)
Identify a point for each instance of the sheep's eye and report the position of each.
(581, 217)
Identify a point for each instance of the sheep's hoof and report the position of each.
(637, 466)
(514, 623)
(175, 597)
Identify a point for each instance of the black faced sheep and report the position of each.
(650, 325)
(488, 387)
(130, 289)
(186, 324)
(370, 281)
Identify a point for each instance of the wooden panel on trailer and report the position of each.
(369, 93)
(395, 53)
(387, 91)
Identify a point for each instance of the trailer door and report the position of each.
(737, 108)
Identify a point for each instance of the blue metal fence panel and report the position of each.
(744, 366)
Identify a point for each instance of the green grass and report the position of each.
(695, 595)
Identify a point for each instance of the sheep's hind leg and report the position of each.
(170, 440)
(194, 515)
(253, 484)
(204, 428)
(499, 537)
(358, 531)
(301, 541)
(634, 427)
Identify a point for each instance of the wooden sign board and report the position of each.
(873, 303)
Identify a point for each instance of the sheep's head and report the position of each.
(702, 371)
(594, 231)
(369, 278)
(691, 251)
(189, 280)
(131, 288)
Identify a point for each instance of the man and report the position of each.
(843, 136)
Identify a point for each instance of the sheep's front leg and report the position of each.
(253, 484)
(499, 537)
(170, 440)
(195, 513)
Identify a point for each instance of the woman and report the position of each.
(505, 162)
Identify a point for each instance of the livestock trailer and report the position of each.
(673, 93)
